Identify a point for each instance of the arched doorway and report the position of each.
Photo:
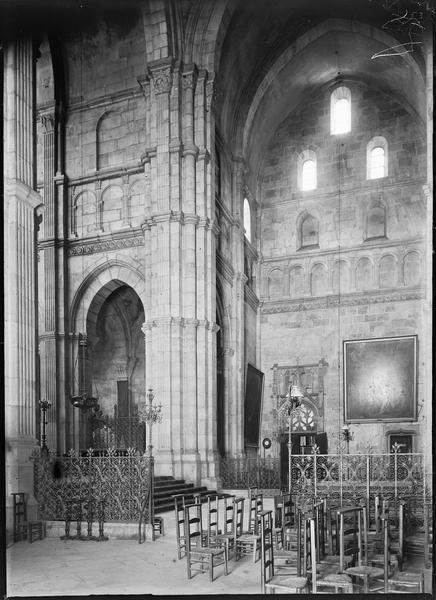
(115, 369)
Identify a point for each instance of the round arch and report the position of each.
(97, 285)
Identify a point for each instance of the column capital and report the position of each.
(48, 121)
(161, 73)
(189, 77)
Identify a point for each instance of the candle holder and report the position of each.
(44, 405)
(152, 414)
(348, 436)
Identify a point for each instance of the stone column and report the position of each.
(20, 282)
(235, 414)
(47, 252)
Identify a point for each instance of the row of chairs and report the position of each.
(223, 535)
(357, 559)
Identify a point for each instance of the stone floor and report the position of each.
(52, 567)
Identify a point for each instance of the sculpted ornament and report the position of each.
(162, 80)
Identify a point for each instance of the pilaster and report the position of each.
(20, 281)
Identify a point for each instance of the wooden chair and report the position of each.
(399, 581)
(249, 541)
(199, 557)
(282, 520)
(339, 582)
(232, 526)
(24, 529)
(179, 514)
(271, 581)
(361, 571)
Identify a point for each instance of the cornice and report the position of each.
(116, 241)
(333, 301)
(80, 104)
(104, 174)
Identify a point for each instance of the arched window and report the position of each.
(306, 170)
(377, 158)
(247, 219)
(309, 232)
(308, 175)
(340, 111)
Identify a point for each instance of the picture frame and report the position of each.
(380, 379)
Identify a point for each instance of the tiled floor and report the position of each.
(52, 567)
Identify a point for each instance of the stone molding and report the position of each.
(95, 246)
(225, 268)
(78, 104)
(180, 321)
(332, 301)
(251, 298)
(104, 174)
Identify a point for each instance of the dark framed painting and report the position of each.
(380, 379)
(253, 405)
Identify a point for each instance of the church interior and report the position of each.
(218, 257)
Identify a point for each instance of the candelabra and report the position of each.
(44, 405)
(152, 415)
(289, 407)
(348, 436)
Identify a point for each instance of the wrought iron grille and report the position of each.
(343, 478)
(263, 473)
(122, 481)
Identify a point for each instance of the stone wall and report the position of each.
(351, 284)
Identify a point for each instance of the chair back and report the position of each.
(228, 515)
(278, 511)
(350, 522)
(310, 550)
(320, 529)
(266, 547)
(258, 508)
(239, 515)
(212, 514)
(193, 526)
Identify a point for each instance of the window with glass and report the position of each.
(340, 111)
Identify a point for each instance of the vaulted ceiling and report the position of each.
(276, 54)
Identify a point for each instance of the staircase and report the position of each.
(165, 487)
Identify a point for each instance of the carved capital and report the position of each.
(162, 80)
(48, 121)
(189, 79)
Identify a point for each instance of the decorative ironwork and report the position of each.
(238, 473)
(122, 481)
(342, 478)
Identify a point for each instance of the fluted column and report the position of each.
(20, 262)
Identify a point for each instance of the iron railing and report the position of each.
(239, 473)
(344, 478)
(124, 482)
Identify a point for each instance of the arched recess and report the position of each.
(99, 312)
(107, 276)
